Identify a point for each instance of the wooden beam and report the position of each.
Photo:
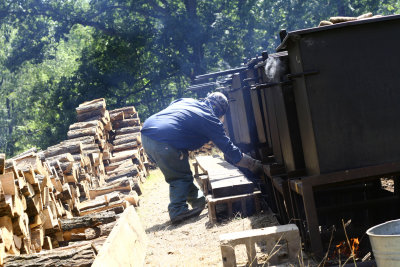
(126, 244)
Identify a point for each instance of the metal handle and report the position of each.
(301, 74)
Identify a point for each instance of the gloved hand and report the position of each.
(253, 165)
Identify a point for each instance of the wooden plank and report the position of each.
(224, 178)
(126, 244)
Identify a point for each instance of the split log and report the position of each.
(91, 116)
(129, 171)
(29, 151)
(126, 123)
(133, 198)
(116, 116)
(48, 245)
(126, 110)
(28, 190)
(83, 140)
(92, 131)
(134, 136)
(115, 206)
(121, 185)
(126, 146)
(93, 203)
(86, 124)
(7, 235)
(66, 157)
(73, 148)
(365, 16)
(50, 222)
(120, 156)
(34, 205)
(96, 106)
(128, 138)
(341, 19)
(120, 164)
(37, 238)
(8, 183)
(21, 225)
(87, 221)
(26, 161)
(92, 102)
(2, 162)
(66, 193)
(78, 255)
(126, 130)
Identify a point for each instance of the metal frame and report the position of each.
(293, 189)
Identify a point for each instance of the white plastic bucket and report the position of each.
(385, 242)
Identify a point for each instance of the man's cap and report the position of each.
(219, 103)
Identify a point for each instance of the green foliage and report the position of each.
(56, 54)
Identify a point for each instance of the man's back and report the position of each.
(182, 124)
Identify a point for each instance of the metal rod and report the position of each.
(220, 73)
(268, 85)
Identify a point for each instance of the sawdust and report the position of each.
(192, 243)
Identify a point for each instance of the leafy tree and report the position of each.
(56, 54)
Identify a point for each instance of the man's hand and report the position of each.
(253, 165)
(257, 168)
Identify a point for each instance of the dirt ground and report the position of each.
(194, 242)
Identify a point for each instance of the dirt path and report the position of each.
(192, 243)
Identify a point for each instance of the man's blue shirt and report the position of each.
(188, 124)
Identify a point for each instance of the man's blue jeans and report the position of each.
(174, 164)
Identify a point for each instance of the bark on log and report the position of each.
(341, 19)
(126, 123)
(87, 221)
(65, 157)
(129, 135)
(117, 116)
(125, 146)
(101, 105)
(89, 204)
(127, 110)
(129, 171)
(120, 156)
(91, 116)
(73, 148)
(83, 140)
(127, 139)
(86, 124)
(92, 131)
(29, 151)
(365, 16)
(79, 256)
(126, 130)
(117, 165)
(92, 102)
(117, 207)
(124, 185)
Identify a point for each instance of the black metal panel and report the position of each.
(349, 112)
(286, 116)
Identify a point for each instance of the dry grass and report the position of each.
(192, 243)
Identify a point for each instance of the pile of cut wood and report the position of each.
(72, 191)
(335, 20)
(206, 149)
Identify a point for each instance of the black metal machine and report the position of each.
(323, 112)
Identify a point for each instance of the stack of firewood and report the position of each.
(335, 20)
(98, 169)
(206, 149)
